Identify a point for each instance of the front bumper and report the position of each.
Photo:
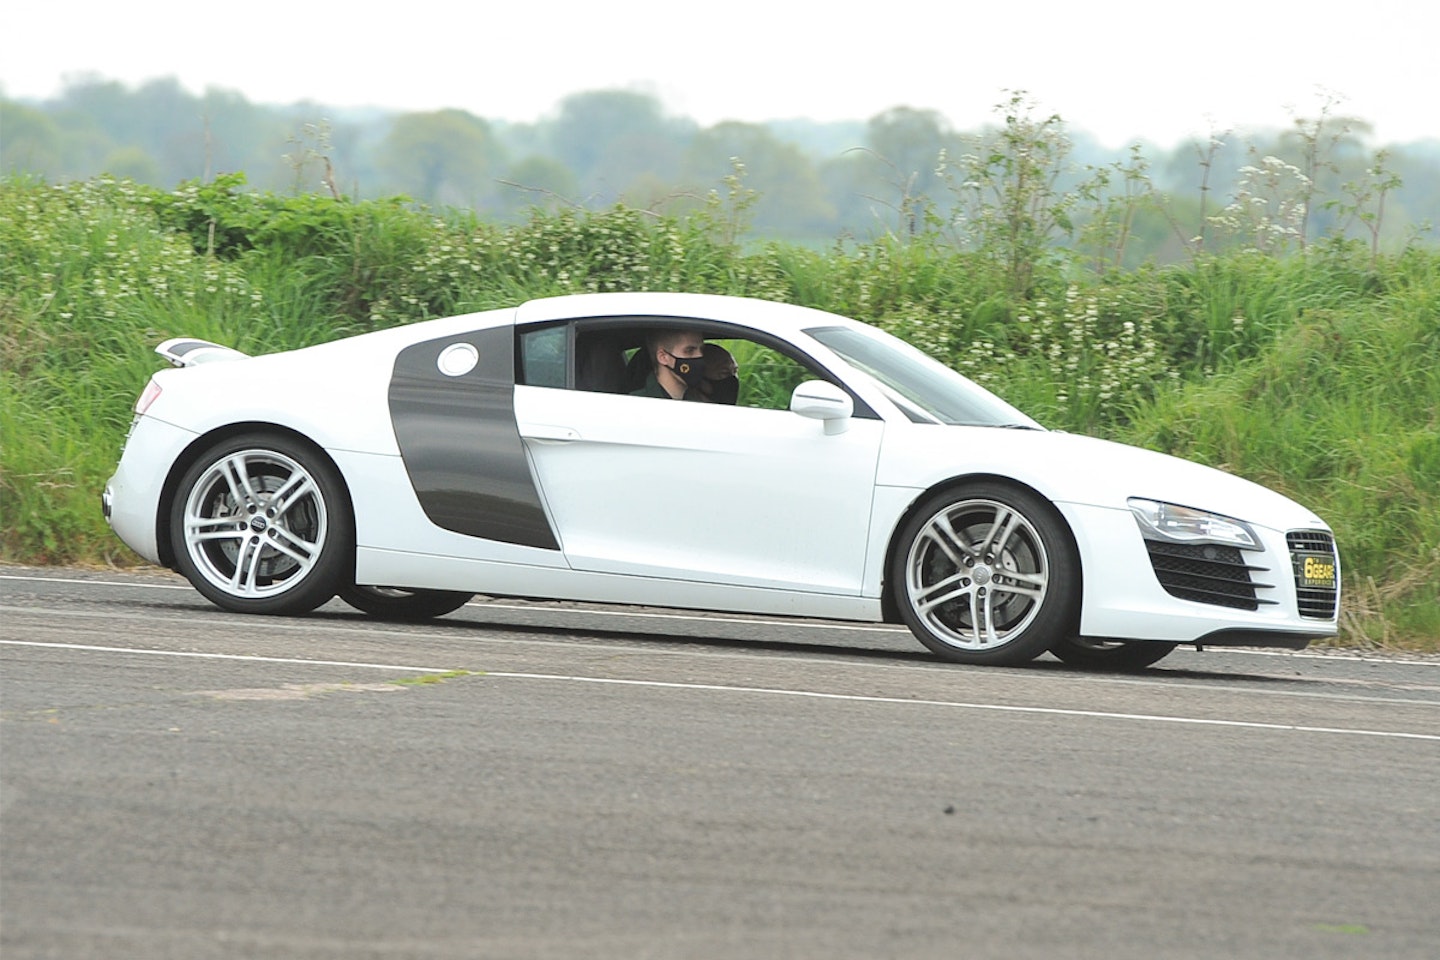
(1129, 595)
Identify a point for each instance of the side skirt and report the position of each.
(422, 571)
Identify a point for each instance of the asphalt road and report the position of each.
(532, 780)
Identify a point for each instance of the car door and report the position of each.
(738, 495)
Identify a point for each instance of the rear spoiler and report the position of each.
(188, 352)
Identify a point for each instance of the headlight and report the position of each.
(1168, 521)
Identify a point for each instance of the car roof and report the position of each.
(767, 315)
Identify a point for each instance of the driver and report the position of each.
(677, 365)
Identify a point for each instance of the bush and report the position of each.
(1317, 375)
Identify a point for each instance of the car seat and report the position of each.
(599, 364)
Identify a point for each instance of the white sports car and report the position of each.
(526, 452)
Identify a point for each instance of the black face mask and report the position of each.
(689, 369)
(725, 391)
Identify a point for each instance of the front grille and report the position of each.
(1318, 602)
(1207, 573)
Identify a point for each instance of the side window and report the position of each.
(611, 358)
(543, 356)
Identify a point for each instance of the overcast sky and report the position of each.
(1120, 70)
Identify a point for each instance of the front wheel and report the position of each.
(986, 573)
(260, 523)
(1117, 655)
(399, 604)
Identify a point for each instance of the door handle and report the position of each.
(549, 431)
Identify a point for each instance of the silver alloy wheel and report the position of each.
(255, 523)
(976, 574)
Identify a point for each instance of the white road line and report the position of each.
(1004, 708)
(101, 583)
(370, 628)
(764, 691)
(220, 619)
(194, 654)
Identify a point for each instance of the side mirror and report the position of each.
(823, 401)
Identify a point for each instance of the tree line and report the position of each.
(903, 172)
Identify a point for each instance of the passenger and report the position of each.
(677, 365)
(722, 382)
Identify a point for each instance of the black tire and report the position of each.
(260, 523)
(403, 605)
(986, 573)
(1116, 655)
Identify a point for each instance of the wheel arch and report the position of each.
(204, 442)
(889, 604)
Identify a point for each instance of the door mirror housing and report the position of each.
(825, 402)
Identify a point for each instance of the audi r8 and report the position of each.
(515, 453)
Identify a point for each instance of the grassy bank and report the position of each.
(1315, 374)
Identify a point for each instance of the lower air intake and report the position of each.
(1206, 573)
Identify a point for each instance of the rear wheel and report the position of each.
(1115, 655)
(260, 524)
(397, 603)
(986, 573)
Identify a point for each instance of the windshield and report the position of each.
(926, 390)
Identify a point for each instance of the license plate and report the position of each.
(1317, 571)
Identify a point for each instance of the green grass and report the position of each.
(430, 679)
(1318, 375)
(1341, 412)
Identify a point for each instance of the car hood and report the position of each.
(1070, 468)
